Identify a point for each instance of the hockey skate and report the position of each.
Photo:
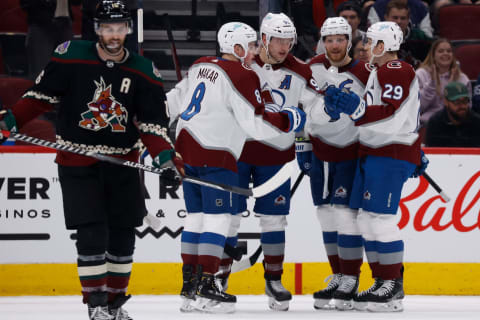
(345, 292)
(210, 297)
(323, 298)
(115, 308)
(97, 306)
(360, 300)
(188, 289)
(387, 298)
(278, 297)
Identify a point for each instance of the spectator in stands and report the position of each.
(456, 125)
(438, 69)
(419, 15)
(352, 12)
(360, 49)
(88, 12)
(415, 43)
(49, 24)
(476, 94)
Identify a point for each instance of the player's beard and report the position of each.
(113, 47)
(337, 57)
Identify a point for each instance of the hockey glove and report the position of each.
(303, 150)
(7, 122)
(172, 163)
(297, 118)
(420, 169)
(331, 100)
(351, 104)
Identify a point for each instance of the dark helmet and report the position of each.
(111, 11)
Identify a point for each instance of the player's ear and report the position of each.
(239, 51)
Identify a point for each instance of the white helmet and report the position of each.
(336, 25)
(388, 32)
(278, 25)
(233, 33)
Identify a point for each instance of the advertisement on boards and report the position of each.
(32, 225)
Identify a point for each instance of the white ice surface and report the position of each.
(248, 307)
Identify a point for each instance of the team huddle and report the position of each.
(358, 145)
(239, 118)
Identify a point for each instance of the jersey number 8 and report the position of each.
(194, 105)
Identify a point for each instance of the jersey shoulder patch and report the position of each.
(145, 66)
(76, 49)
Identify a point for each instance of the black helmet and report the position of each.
(110, 11)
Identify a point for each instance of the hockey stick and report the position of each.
(173, 49)
(140, 30)
(250, 261)
(436, 187)
(256, 192)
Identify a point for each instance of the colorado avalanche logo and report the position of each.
(367, 195)
(104, 110)
(341, 192)
(280, 200)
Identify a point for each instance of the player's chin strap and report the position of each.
(273, 183)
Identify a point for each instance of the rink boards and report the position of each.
(37, 254)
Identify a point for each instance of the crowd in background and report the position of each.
(50, 23)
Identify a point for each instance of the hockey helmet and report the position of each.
(233, 33)
(278, 25)
(112, 11)
(334, 26)
(388, 32)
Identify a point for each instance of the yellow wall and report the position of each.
(165, 278)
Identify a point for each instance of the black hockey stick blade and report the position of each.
(436, 187)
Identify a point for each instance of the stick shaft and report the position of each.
(121, 162)
(176, 62)
(437, 188)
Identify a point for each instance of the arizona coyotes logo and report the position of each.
(104, 110)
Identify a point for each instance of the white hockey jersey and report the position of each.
(389, 126)
(290, 84)
(338, 140)
(217, 104)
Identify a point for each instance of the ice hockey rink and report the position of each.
(155, 307)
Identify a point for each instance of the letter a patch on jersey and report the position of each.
(286, 82)
(104, 111)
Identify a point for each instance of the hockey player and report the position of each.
(285, 81)
(389, 152)
(217, 104)
(102, 89)
(333, 163)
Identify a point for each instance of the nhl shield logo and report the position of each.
(104, 111)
